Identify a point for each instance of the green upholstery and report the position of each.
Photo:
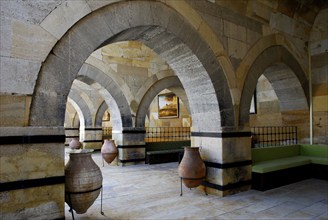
(318, 160)
(270, 159)
(271, 153)
(279, 164)
(314, 150)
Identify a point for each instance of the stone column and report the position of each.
(71, 133)
(32, 174)
(227, 156)
(91, 138)
(131, 145)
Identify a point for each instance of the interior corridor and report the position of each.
(153, 192)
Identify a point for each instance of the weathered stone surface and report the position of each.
(237, 49)
(32, 12)
(30, 42)
(92, 145)
(236, 149)
(259, 11)
(14, 110)
(96, 4)
(64, 16)
(236, 174)
(320, 103)
(18, 75)
(93, 30)
(289, 26)
(140, 13)
(320, 89)
(32, 162)
(234, 31)
(26, 131)
(226, 14)
(83, 107)
(160, 14)
(117, 18)
(131, 153)
(33, 203)
(6, 36)
(210, 148)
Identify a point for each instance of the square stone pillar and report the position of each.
(227, 156)
(91, 138)
(131, 145)
(32, 174)
(71, 133)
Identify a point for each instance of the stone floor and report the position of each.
(153, 192)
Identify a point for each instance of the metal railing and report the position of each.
(107, 133)
(158, 134)
(161, 134)
(273, 136)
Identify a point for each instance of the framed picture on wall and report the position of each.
(168, 106)
(106, 116)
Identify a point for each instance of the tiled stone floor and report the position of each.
(153, 192)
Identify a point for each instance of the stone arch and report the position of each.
(106, 69)
(83, 108)
(100, 113)
(166, 83)
(269, 57)
(112, 94)
(69, 10)
(160, 28)
(179, 91)
(78, 111)
(149, 83)
(76, 121)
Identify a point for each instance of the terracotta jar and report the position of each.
(109, 150)
(192, 169)
(75, 144)
(83, 180)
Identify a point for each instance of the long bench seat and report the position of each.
(164, 152)
(277, 166)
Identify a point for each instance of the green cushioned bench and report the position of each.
(276, 166)
(164, 152)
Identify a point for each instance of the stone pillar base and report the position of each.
(227, 157)
(96, 145)
(32, 173)
(131, 145)
(223, 193)
(92, 138)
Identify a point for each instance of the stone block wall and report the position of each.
(32, 188)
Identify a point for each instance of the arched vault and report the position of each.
(165, 83)
(291, 86)
(163, 30)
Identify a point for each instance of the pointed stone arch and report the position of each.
(160, 28)
(83, 109)
(165, 83)
(112, 94)
(100, 114)
(273, 55)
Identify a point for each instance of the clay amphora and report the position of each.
(83, 180)
(109, 150)
(192, 169)
(75, 144)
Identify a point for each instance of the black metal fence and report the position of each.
(274, 136)
(158, 134)
(161, 134)
(107, 133)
